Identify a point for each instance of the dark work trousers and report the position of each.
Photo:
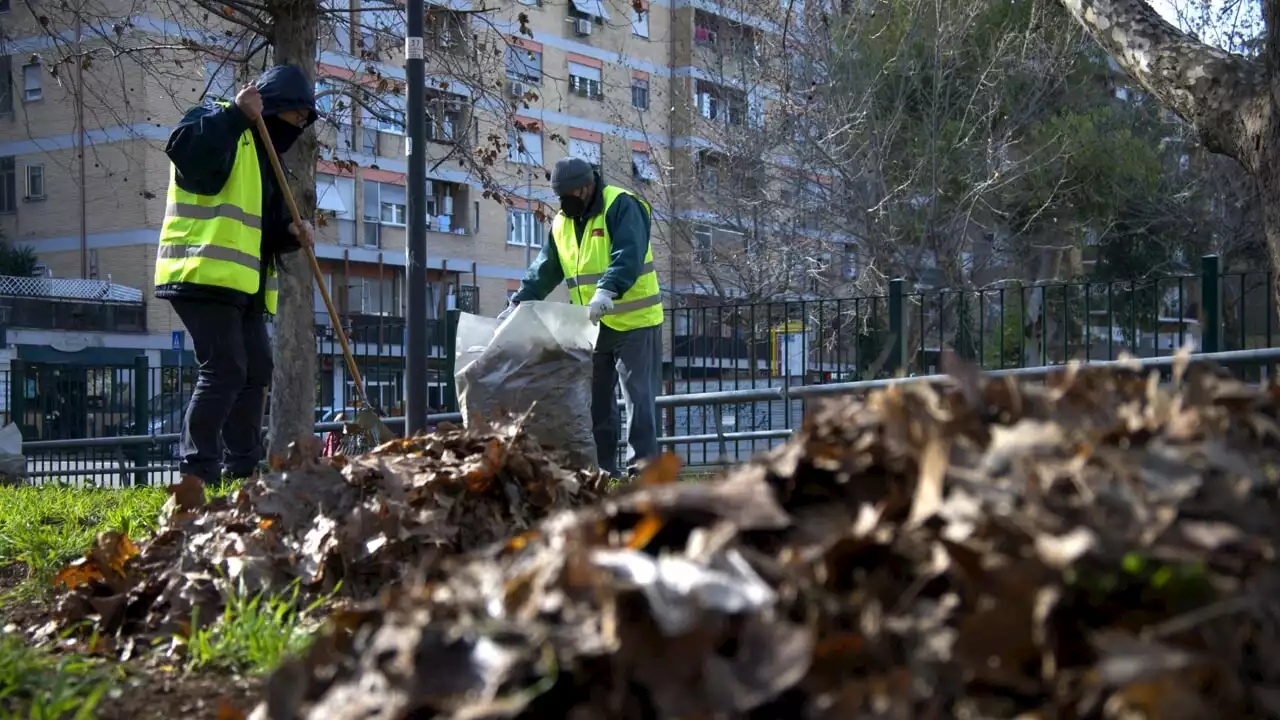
(233, 353)
(635, 358)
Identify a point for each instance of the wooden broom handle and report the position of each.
(311, 256)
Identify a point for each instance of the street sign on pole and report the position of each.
(179, 340)
(416, 351)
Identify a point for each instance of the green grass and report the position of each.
(254, 633)
(36, 684)
(45, 527)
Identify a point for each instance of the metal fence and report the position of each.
(757, 358)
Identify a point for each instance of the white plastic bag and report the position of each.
(540, 354)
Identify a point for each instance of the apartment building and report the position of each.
(650, 90)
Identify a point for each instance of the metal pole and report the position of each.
(417, 351)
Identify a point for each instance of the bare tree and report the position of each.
(138, 68)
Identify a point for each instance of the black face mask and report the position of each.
(573, 206)
(283, 134)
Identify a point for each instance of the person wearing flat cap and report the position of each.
(599, 247)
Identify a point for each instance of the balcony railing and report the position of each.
(70, 304)
(377, 329)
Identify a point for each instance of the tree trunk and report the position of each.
(1269, 187)
(293, 384)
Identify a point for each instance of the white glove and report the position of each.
(601, 304)
(511, 307)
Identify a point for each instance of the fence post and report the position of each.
(18, 395)
(449, 398)
(897, 362)
(141, 421)
(1211, 302)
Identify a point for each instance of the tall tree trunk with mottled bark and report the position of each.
(293, 384)
(1230, 99)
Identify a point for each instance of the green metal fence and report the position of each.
(721, 348)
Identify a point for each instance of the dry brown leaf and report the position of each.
(188, 494)
(665, 469)
(226, 711)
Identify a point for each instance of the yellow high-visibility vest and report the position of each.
(585, 262)
(217, 239)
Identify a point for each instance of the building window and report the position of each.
(585, 81)
(640, 22)
(588, 150)
(721, 104)
(642, 167)
(444, 119)
(6, 85)
(8, 186)
(525, 147)
(35, 182)
(384, 204)
(850, 268)
(390, 117)
(524, 229)
(31, 87)
(524, 65)
(639, 93)
(702, 244)
(373, 296)
(588, 10)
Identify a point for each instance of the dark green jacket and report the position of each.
(628, 225)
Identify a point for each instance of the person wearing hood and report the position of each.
(599, 247)
(225, 229)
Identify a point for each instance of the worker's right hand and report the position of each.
(249, 100)
(511, 307)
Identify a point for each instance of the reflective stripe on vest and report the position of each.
(584, 263)
(216, 240)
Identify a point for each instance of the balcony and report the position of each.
(71, 304)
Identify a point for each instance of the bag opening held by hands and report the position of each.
(540, 354)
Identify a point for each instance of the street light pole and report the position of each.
(416, 351)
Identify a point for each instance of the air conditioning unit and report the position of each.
(582, 27)
(516, 89)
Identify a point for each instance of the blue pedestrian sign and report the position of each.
(178, 340)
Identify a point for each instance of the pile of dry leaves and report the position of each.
(360, 521)
(1095, 547)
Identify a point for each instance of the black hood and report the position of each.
(284, 88)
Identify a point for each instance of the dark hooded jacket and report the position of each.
(203, 150)
(629, 227)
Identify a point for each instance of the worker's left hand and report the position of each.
(305, 234)
(601, 305)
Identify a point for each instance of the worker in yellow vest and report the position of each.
(599, 247)
(225, 229)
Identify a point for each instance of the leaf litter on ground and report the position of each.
(1096, 546)
(359, 522)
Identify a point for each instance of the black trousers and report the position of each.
(222, 429)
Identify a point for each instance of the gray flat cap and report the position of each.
(570, 174)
